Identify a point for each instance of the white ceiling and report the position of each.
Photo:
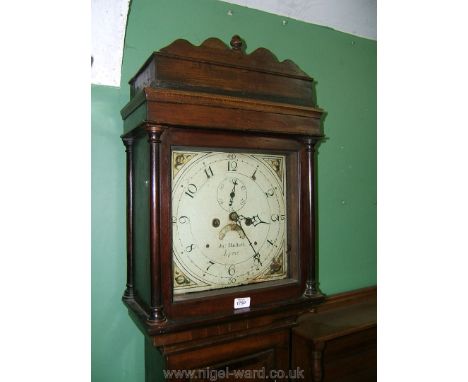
(357, 17)
(109, 18)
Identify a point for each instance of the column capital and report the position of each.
(154, 132)
(128, 142)
(310, 141)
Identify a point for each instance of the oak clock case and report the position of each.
(220, 155)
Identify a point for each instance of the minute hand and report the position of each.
(256, 254)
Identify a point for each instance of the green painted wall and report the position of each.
(344, 68)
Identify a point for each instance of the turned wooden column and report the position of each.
(317, 356)
(154, 140)
(128, 142)
(312, 290)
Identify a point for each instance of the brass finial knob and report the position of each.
(236, 42)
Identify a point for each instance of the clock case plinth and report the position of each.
(214, 96)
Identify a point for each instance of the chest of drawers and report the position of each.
(337, 345)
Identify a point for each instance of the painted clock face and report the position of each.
(228, 219)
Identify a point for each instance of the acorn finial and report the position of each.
(236, 42)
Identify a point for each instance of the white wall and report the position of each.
(109, 18)
(108, 21)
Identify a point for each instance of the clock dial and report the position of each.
(229, 219)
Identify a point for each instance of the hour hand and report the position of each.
(254, 220)
(233, 192)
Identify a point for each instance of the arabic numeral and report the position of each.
(277, 217)
(184, 219)
(270, 192)
(253, 175)
(232, 270)
(209, 172)
(210, 264)
(191, 190)
(181, 220)
(232, 165)
(190, 247)
(257, 260)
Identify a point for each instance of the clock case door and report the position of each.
(222, 99)
(222, 300)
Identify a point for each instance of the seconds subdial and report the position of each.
(231, 194)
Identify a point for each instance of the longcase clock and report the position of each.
(221, 224)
